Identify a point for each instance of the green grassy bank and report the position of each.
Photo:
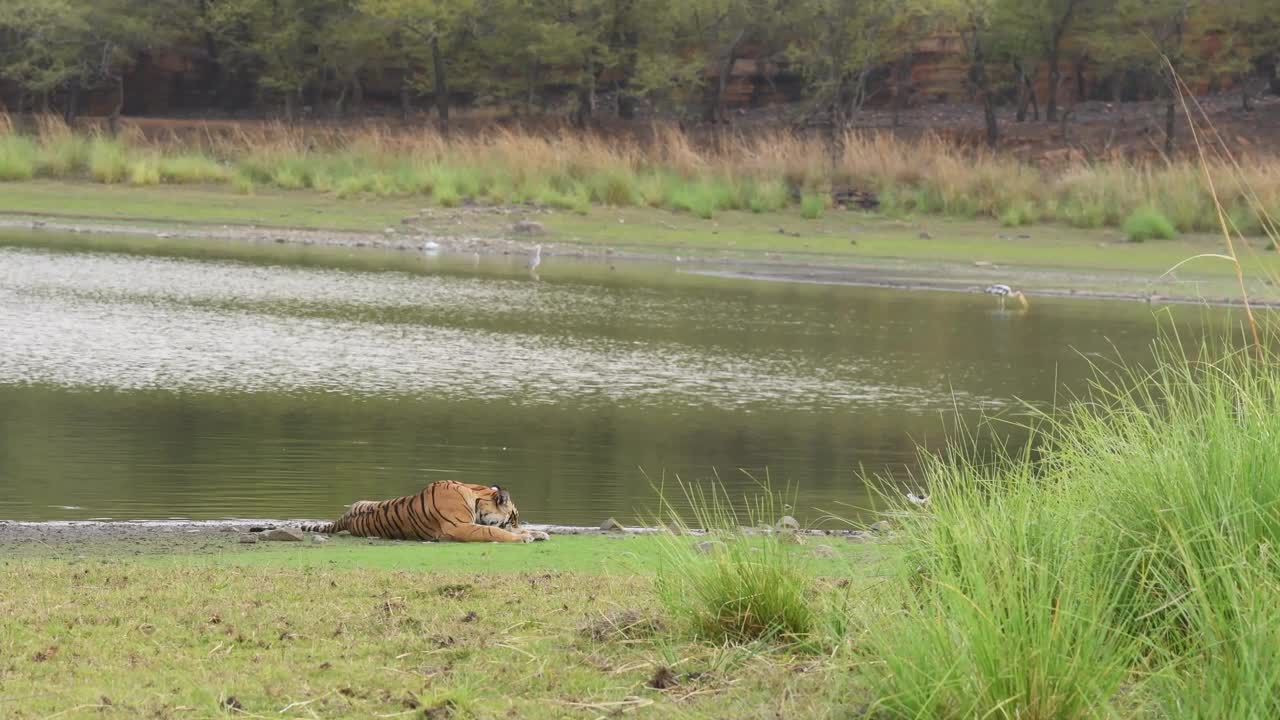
(803, 176)
(916, 244)
(353, 628)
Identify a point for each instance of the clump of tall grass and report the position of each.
(1138, 537)
(1148, 223)
(18, 157)
(108, 160)
(189, 168)
(812, 206)
(740, 587)
(761, 171)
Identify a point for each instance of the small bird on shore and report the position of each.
(1004, 292)
(536, 258)
(920, 499)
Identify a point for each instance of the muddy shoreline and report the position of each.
(766, 267)
(228, 531)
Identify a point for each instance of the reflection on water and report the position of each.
(139, 381)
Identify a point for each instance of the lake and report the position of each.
(143, 378)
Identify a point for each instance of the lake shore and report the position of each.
(852, 248)
(70, 538)
(188, 622)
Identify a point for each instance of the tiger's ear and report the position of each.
(501, 497)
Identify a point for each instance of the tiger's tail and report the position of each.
(328, 528)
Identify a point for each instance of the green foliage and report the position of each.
(737, 588)
(190, 168)
(767, 196)
(1136, 540)
(812, 206)
(17, 157)
(1148, 223)
(65, 156)
(108, 160)
(145, 170)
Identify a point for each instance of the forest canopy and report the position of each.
(585, 58)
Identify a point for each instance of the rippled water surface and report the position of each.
(141, 379)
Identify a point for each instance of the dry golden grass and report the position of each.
(666, 167)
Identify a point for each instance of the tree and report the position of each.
(1041, 27)
(1161, 39)
(73, 46)
(281, 39)
(433, 26)
(975, 21)
(847, 44)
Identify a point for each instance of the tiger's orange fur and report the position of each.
(444, 510)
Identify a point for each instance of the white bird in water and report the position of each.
(920, 499)
(430, 246)
(1004, 292)
(536, 258)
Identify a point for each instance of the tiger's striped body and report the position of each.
(444, 510)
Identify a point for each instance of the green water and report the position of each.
(145, 378)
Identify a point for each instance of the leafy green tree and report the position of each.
(976, 22)
(281, 39)
(1162, 40)
(843, 42)
(76, 46)
(429, 29)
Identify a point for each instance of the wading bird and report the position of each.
(920, 499)
(1004, 292)
(536, 258)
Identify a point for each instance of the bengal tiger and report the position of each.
(443, 510)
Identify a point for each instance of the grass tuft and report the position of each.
(108, 160)
(1147, 224)
(812, 206)
(17, 158)
(736, 588)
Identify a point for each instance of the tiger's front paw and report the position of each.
(534, 536)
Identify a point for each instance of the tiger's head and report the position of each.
(496, 508)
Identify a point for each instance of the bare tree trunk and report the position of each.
(406, 99)
(1170, 125)
(533, 86)
(72, 110)
(1246, 101)
(902, 77)
(441, 86)
(1055, 79)
(586, 98)
(1024, 95)
(978, 72)
(339, 103)
(357, 94)
(113, 120)
(290, 106)
(715, 113)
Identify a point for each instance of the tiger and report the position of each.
(443, 510)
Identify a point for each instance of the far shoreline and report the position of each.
(907, 273)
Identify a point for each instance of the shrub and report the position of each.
(17, 157)
(746, 588)
(192, 169)
(145, 170)
(108, 160)
(1137, 539)
(812, 206)
(64, 155)
(1148, 223)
